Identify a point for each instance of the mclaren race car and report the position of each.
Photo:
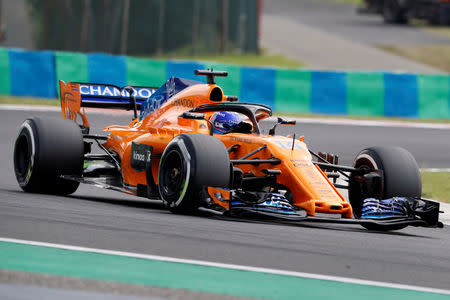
(171, 151)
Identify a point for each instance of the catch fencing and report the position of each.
(36, 73)
(143, 27)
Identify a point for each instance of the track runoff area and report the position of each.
(207, 277)
(195, 275)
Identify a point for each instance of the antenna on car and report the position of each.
(132, 93)
(210, 75)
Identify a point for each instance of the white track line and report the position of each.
(327, 121)
(370, 123)
(29, 107)
(231, 266)
(435, 170)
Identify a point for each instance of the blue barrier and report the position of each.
(258, 85)
(102, 67)
(35, 74)
(183, 69)
(328, 92)
(400, 94)
(32, 73)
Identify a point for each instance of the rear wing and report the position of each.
(75, 95)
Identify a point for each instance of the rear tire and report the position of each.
(46, 149)
(401, 175)
(189, 163)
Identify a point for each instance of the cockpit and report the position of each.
(250, 114)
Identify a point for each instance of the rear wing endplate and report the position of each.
(75, 95)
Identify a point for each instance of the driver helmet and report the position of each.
(224, 121)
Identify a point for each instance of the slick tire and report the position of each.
(189, 163)
(401, 175)
(45, 149)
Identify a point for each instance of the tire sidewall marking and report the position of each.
(187, 161)
(177, 141)
(367, 157)
(26, 126)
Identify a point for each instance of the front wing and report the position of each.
(425, 212)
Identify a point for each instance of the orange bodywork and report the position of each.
(309, 185)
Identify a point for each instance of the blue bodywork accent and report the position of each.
(275, 203)
(106, 92)
(277, 211)
(169, 89)
(111, 94)
(383, 209)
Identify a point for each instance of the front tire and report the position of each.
(45, 149)
(401, 175)
(189, 163)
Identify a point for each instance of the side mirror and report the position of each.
(197, 116)
(286, 122)
(283, 122)
(192, 115)
(232, 98)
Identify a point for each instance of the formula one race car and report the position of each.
(195, 148)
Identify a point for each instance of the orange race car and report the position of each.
(195, 148)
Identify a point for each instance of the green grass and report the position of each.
(437, 56)
(436, 185)
(434, 29)
(438, 30)
(28, 100)
(259, 60)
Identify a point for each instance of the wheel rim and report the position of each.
(172, 174)
(365, 163)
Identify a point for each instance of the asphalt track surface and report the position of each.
(327, 35)
(342, 20)
(108, 220)
(9, 292)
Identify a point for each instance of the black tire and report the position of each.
(189, 163)
(46, 149)
(401, 175)
(394, 13)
